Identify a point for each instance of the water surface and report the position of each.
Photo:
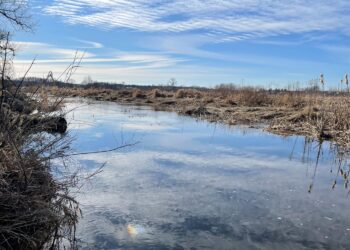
(190, 184)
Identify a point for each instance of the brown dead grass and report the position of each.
(136, 93)
(313, 114)
(36, 209)
(156, 93)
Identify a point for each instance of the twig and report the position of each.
(101, 151)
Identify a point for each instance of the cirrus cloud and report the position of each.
(228, 20)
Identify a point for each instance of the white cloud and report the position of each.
(154, 73)
(33, 49)
(50, 58)
(153, 61)
(89, 44)
(227, 20)
(119, 66)
(140, 67)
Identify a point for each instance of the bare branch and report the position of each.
(15, 12)
(103, 151)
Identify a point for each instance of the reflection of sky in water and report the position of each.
(191, 184)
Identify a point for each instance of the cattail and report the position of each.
(346, 79)
(322, 79)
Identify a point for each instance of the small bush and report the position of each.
(124, 93)
(253, 98)
(188, 93)
(156, 93)
(136, 93)
(208, 99)
(231, 100)
(181, 93)
(289, 100)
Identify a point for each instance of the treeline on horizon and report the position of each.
(312, 86)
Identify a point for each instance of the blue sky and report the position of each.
(199, 42)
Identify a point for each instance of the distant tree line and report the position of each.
(89, 83)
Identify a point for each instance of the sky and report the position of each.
(271, 43)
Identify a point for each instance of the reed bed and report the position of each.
(318, 114)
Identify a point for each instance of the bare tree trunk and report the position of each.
(6, 51)
(3, 70)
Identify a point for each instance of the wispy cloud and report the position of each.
(55, 54)
(151, 73)
(118, 65)
(228, 20)
(132, 59)
(89, 44)
(196, 41)
(48, 50)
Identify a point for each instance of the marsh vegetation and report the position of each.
(37, 210)
(321, 115)
(216, 181)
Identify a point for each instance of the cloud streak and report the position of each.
(228, 20)
(54, 55)
(33, 48)
(119, 66)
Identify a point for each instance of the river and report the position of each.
(189, 184)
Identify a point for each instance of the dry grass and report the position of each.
(253, 98)
(322, 117)
(289, 99)
(136, 93)
(156, 93)
(188, 93)
(36, 210)
(315, 114)
(181, 93)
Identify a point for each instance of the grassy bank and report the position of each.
(316, 114)
(36, 209)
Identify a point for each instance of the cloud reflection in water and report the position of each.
(185, 186)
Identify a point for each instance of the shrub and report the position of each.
(253, 98)
(289, 99)
(155, 93)
(180, 93)
(136, 93)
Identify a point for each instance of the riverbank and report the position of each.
(315, 114)
(36, 208)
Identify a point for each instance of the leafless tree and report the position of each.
(172, 82)
(12, 12)
(87, 80)
(15, 12)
